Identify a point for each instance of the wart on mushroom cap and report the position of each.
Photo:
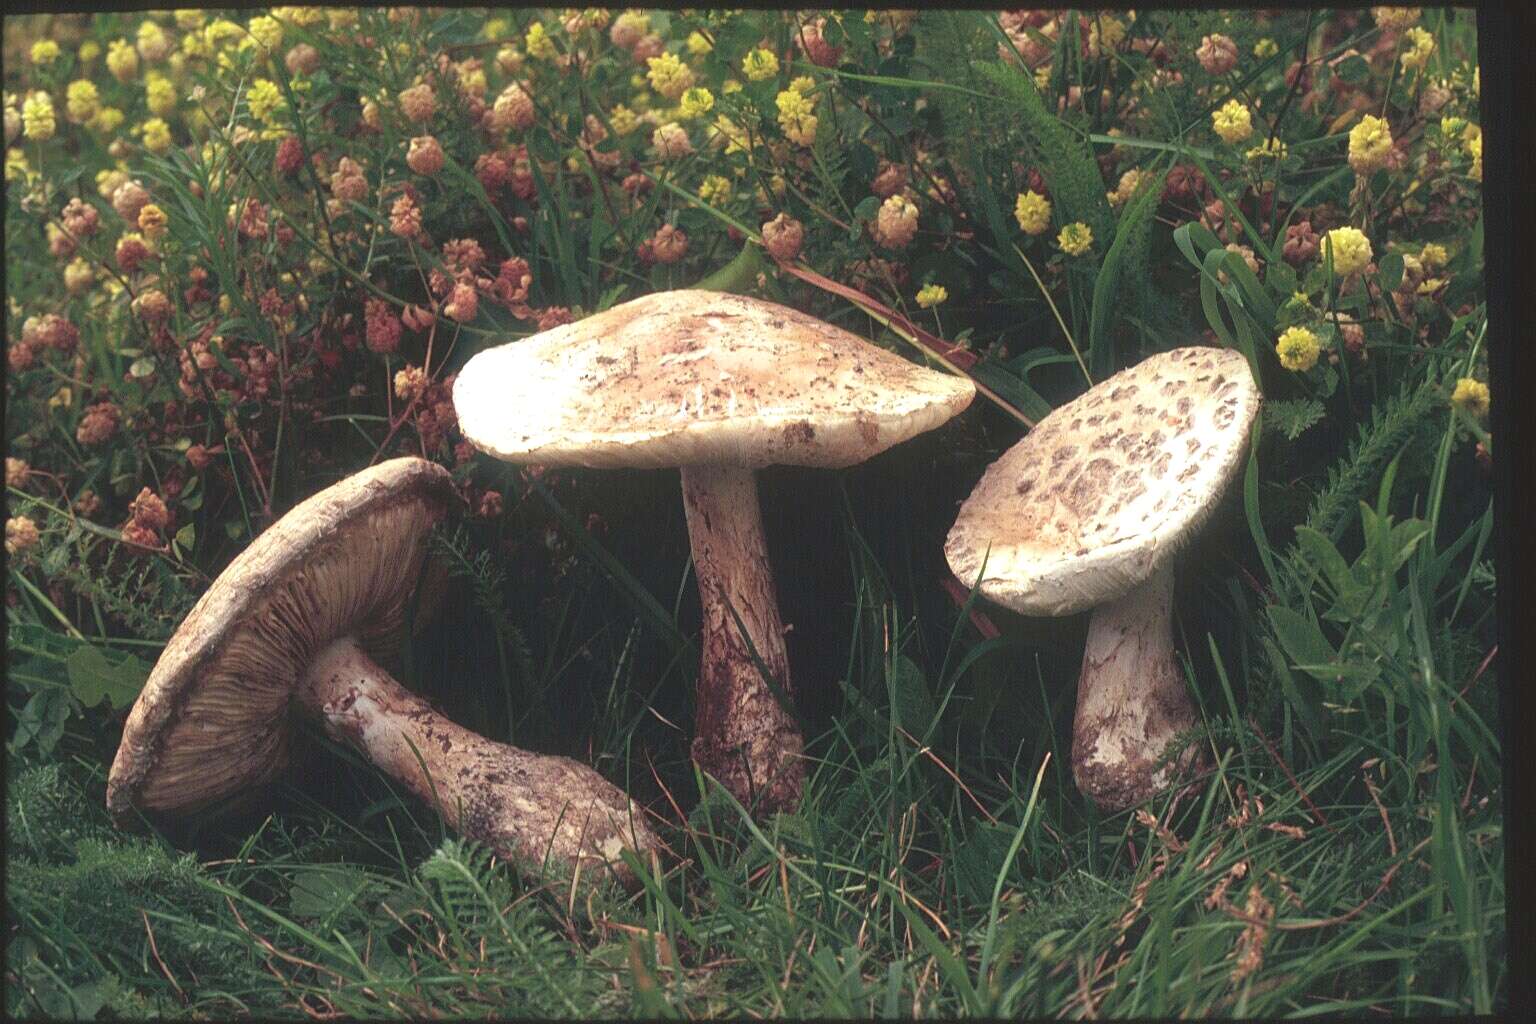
(718, 385)
(1087, 511)
(293, 620)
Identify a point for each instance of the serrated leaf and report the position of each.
(93, 677)
(1291, 417)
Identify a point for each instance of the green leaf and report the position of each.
(94, 677)
(1130, 234)
(41, 720)
(1291, 417)
(1389, 272)
(1302, 640)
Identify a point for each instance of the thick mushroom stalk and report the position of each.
(533, 809)
(743, 736)
(1131, 699)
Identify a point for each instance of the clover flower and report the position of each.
(668, 75)
(37, 120)
(1104, 34)
(931, 295)
(759, 64)
(153, 43)
(1232, 122)
(1075, 239)
(783, 236)
(98, 424)
(44, 52)
(418, 103)
(795, 116)
(1269, 149)
(668, 244)
(1033, 212)
(159, 94)
(513, 109)
(1265, 48)
(671, 141)
(425, 156)
(157, 135)
(698, 44)
(107, 120)
(1217, 54)
(715, 189)
(1420, 44)
(78, 276)
(382, 327)
(629, 28)
(622, 120)
(1471, 396)
(1350, 249)
(1129, 182)
(20, 534)
(268, 32)
(122, 60)
(1370, 142)
(813, 41)
(697, 102)
(538, 43)
(896, 223)
(81, 101)
(264, 99)
(152, 221)
(1298, 349)
(463, 303)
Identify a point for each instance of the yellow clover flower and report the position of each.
(1471, 396)
(159, 94)
(122, 60)
(715, 189)
(264, 99)
(1350, 248)
(931, 295)
(760, 64)
(622, 120)
(107, 120)
(37, 118)
(668, 75)
(698, 45)
(1298, 349)
(81, 101)
(1075, 239)
(45, 51)
(1419, 45)
(1033, 212)
(538, 43)
(266, 31)
(696, 102)
(796, 117)
(1265, 48)
(1232, 122)
(1269, 149)
(157, 135)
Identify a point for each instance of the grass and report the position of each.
(1342, 853)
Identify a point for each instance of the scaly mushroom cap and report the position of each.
(698, 378)
(212, 718)
(1103, 491)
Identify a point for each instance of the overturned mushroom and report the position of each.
(296, 620)
(1086, 512)
(718, 385)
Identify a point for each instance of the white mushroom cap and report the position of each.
(698, 378)
(213, 716)
(1106, 488)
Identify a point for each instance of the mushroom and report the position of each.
(1086, 512)
(718, 385)
(297, 620)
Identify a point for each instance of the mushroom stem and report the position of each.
(1131, 699)
(743, 736)
(529, 808)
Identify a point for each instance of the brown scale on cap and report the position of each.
(1086, 512)
(717, 385)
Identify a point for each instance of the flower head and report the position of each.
(1350, 249)
(418, 103)
(81, 101)
(759, 64)
(1418, 45)
(37, 118)
(538, 43)
(157, 135)
(1370, 143)
(159, 94)
(20, 534)
(1298, 349)
(1075, 239)
(1395, 18)
(122, 60)
(1232, 122)
(795, 116)
(1217, 54)
(668, 75)
(1033, 212)
(1471, 396)
(896, 223)
(45, 51)
(931, 295)
(715, 189)
(671, 141)
(697, 102)
(264, 99)
(783, 236)
(425, 156)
